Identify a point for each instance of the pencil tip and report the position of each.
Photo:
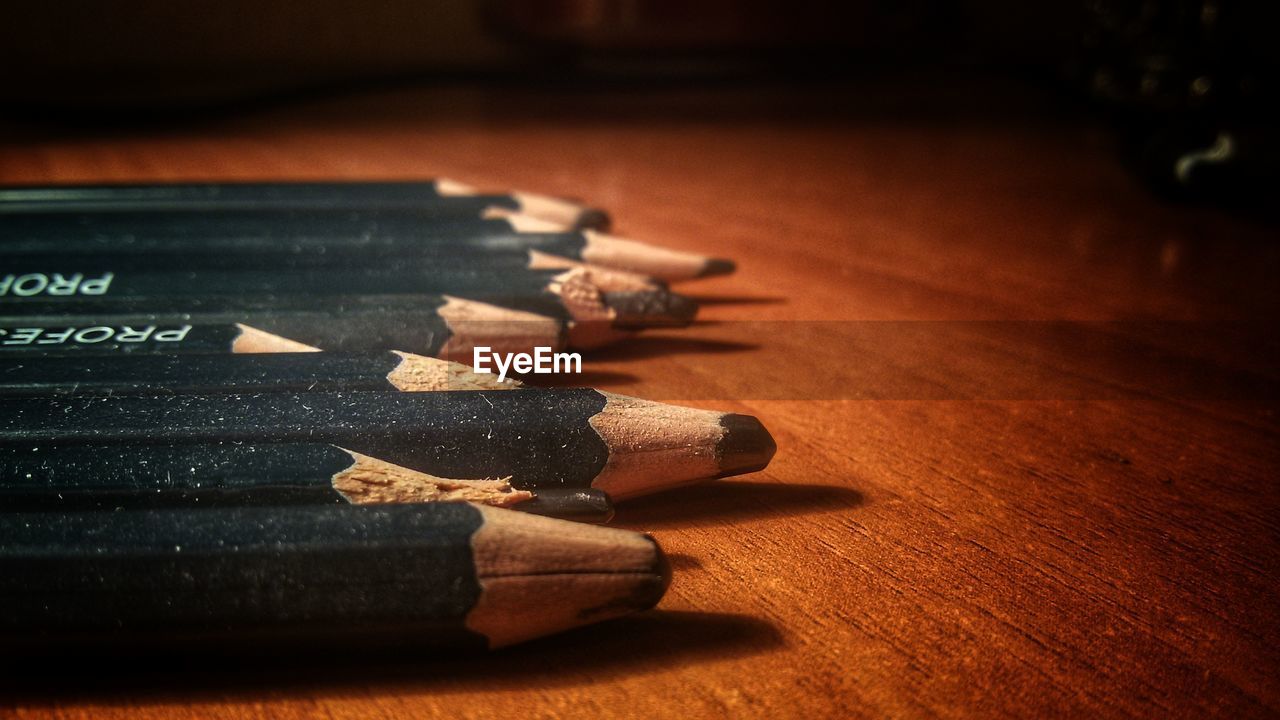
(649, 593)
(590, 218)
(649, 309)
(582, 505)
(718, 266)
(746, 445)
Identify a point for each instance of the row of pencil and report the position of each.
(178, 464)
(420, 267)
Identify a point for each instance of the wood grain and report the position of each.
(1025, 412)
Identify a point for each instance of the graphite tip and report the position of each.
(582, 505)
(590, 218)
(650, 309)
(746, 445)
(717, 266)
(649, 593)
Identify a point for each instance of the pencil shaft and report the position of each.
(152, 374)
(422, 324)
(247, 232)
(87, 276)
(243, 569)
(52, 476)
(433, 196)
(433, 261)
(523, 291)
(423, 196)
(542, 435)
(102, 476)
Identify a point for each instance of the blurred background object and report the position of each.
(1190, 84)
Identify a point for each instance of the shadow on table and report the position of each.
(728, 501)
(587, 378)
(651, 346)
(626, 647)
(736, 300)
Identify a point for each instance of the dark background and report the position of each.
(1187, 85)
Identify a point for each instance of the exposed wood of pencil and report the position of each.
(373, 481)
(417, 373)
(612, 251)
(570, 574)
(474, 324)
(657, 446)
(252, 340)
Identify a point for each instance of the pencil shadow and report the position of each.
(642, 347)
(587, 378)
(620, 648)
(683, 562)
(735, 299)
(727, 501)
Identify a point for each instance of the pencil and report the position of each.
(62, 477)
(439, 196)
(573, 295)
(430, 260)
(366, 231)
(449, 575)
(538, 438)
(433, 325)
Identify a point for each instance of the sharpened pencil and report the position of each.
(451, 575)
(60, 477)
(548, 438)
(439, 196)
(433, 325)
(572, 295)
(321, 231)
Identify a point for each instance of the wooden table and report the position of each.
(1025, 412)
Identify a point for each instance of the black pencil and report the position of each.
(433, 325)
(268, 372)
(573, 295)
(62, 477)
(453, 575)
(439, 196)
(538, 438)
(168, 233)
(433, 261)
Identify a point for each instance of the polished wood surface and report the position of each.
(1025, 412)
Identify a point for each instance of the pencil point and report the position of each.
(718, 266)
(592, 219)
(746, 445)
(649, 593)
(650, 309)
(581, 505)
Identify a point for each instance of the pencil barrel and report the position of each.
(236, 574)
(212, 373)
(417, 196)
(542, 436)
(133, 234)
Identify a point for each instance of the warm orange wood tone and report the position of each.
(963, 519)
